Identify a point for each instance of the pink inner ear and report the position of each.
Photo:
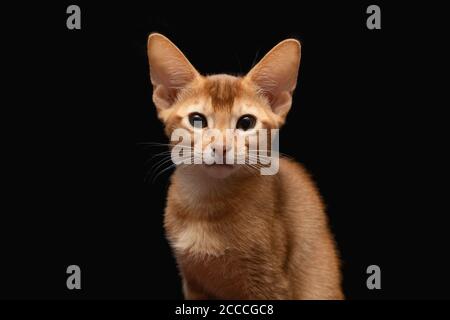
(163, 97)
(276, 87)
(169, 85)
(282, 104)
(276, 75)
(170, 71)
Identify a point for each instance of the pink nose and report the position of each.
(225, 149)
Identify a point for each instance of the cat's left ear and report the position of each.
(276, 75)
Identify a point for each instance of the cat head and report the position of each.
(187, 100)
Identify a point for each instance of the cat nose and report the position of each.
(225, 148)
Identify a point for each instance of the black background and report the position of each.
(83, 105)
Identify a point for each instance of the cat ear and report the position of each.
(170, 70)
(276, 75)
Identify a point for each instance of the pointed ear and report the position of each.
(276, 75)
(170, 70)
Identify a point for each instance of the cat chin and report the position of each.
(219, 171)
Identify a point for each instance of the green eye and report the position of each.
(246, 122)
(197, 120)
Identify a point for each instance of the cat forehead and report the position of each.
(222, 94)
(223, 90)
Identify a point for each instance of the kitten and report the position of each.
(237, 234)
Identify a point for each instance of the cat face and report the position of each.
(218, 111)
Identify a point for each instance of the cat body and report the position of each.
(237, 234)
(249, 239)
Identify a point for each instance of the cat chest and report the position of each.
(198, 239)
(208, 257)
(221, 277)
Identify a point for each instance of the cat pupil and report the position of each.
(198, 120)
(246, 122)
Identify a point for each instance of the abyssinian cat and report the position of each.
(237, 234)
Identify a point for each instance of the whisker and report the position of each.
(279, 153)
(160, 163)
(173, 165)
(161, 154)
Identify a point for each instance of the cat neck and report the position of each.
(197, 190)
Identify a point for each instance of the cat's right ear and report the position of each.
(170, 70)
(276, 75)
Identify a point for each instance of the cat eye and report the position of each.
(198, 120)
(246, 122)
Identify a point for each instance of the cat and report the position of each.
(237, 234)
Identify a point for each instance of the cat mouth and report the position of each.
(217, 170)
